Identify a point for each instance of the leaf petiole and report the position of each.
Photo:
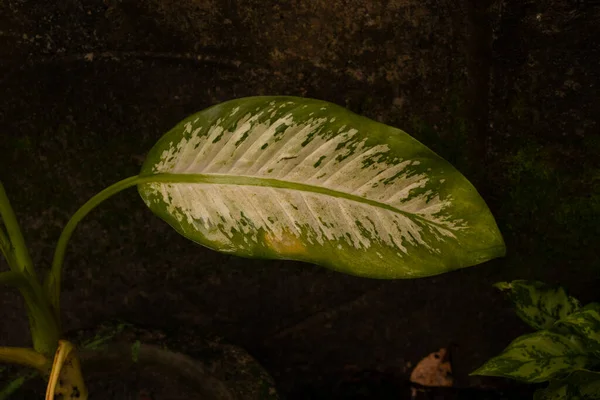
(5, 248)
(12, 278)
(14, 244)
(44, 328)
(26, 357)
(52, 282)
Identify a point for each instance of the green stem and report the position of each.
(17, 243)
(26, 357)
(5, 248)
(52, 283)
(14, 385)
(45, 329)
(11, 278)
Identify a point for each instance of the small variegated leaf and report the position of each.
(538, 304)
(584, 323)
(303, 179)
(580, 385)
(538, 357)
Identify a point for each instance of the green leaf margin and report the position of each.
(538, 304)
(538, 357)
(579, 385)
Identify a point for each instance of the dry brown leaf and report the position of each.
(434, 370)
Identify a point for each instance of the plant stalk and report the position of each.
(53, 279)
(6, 249)
(66, 380)
(52, 282)
(27, 357)
(17, 247)
(45, 330)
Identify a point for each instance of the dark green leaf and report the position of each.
(538, 304)
(584, 323)
(580, 385)
(538, 357)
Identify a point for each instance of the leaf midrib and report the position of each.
(244, 180)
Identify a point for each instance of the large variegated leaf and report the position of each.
(584, 323)
(302, 179)
(580, 385)
(538, 304)
(538, 357)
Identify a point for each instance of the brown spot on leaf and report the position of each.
(286, 244)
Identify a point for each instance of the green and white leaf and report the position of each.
(538, 304)
(580, 385)
(584, 323)
(538, 357)
(303, 179)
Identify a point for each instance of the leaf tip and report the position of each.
(503, 286)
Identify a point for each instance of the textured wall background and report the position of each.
(507, 91)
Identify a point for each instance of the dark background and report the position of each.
(507, 91)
